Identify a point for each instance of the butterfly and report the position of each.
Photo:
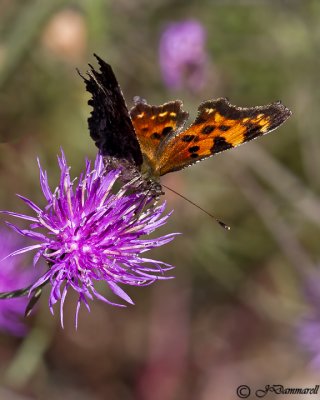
(151, 141)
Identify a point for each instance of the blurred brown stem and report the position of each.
(282, 180)
(267, 210)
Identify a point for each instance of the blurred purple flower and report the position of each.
(309, 337)
(309, 325)
(92, 234)
(183, 58)
(13, 276)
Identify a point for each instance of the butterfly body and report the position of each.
(151, 141)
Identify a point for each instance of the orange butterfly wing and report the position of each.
(219, 126)
(153, 124)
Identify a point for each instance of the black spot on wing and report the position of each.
(208, 129)
(167, 130)
(193, 149)
(220, 144)
(224, 128)
(156, 136)
(253, 131)
(164, 133)
(188, 138)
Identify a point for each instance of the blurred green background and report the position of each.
(230, 316)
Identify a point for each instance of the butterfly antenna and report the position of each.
(222, 224)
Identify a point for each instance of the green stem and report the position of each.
(20, 292)
(15, 293)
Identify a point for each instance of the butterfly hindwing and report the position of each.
(153, 124)
(110, 124)
(219, 126)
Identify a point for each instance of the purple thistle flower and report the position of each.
(309, 338)
(92, 234)
(308, 327)
(13, 276)
(182, 54)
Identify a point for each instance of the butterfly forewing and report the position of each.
(110, 124)
(219, 126)
(153, 124)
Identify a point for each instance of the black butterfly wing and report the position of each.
(110, 125)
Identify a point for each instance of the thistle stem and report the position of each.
(20, 292)
(15, 293)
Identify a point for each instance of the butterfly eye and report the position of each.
(154, 187)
